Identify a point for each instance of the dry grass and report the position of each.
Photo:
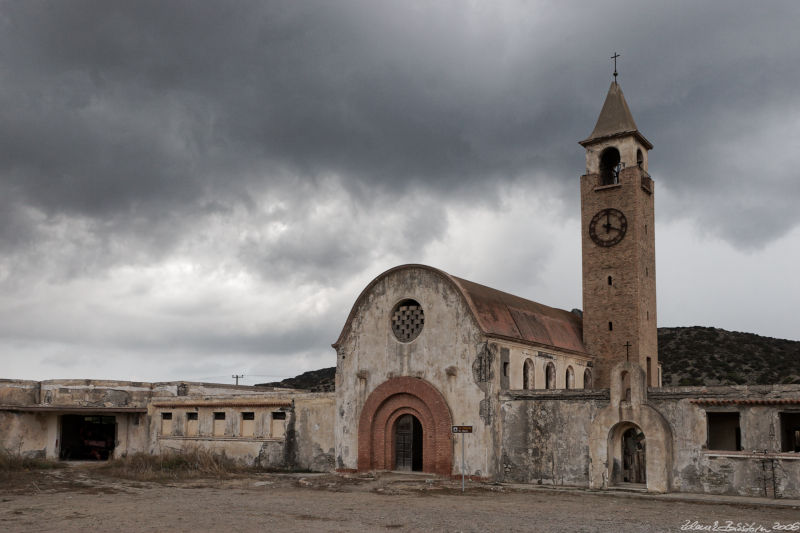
(188, 463)
(16, 462)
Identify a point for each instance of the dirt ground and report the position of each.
(83, 499)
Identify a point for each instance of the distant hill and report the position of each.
(712, 356)
(323, 380)
(689, 356)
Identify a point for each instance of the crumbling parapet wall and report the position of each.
(546, 438)
(545, 435)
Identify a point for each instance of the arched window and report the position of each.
(587, 378)
(570, 378)
(609, 166)
(527, 375)
(639, 158)
(550, 376)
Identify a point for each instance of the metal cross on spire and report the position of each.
(614, 57)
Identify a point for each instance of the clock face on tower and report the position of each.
(608, 227)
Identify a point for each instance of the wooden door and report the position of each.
(404, 442)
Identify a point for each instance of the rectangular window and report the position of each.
(248, 424)
(166, 423)
(219, 424)
(723, 431)
(278, 427)
(790, 432)
(191, 424)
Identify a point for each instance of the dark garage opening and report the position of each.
(87, 438)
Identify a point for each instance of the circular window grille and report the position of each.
(407, 320)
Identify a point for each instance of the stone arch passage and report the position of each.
(385, 405)
(628, 457)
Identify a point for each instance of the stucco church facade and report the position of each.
(554, 396)
(550, 396)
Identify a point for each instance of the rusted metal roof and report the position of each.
(504, 315)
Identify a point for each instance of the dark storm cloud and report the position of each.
(160, 161)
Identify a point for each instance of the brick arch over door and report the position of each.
(392, 399)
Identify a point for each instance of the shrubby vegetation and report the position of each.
(712, 356)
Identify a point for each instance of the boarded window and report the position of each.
(166, 423)
(248, 424)
(790, 432)
(278, 428)
(219, 424)
(191, 424)
(587, 379)
(723, 431)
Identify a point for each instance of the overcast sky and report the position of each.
(191, 190)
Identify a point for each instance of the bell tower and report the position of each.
(618, 243)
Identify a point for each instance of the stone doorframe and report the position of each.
(611, 422)
(388, 402)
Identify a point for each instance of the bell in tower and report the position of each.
(618, 244)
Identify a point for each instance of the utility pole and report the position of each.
(237, 376)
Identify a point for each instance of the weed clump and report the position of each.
(17, 462)
(187, 463)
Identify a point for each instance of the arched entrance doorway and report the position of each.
(408, 443)
(634, 456)
(387, 423)
(629, 448)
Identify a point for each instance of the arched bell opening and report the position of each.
(609, 166)
(587, 379)
(569, 380)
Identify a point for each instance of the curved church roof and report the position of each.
(500, 314)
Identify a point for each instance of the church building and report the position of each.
(549, 395)
(429, 364)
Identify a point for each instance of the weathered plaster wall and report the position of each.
(304, 440)
(546, 435)
(546, 438)
(310, 434)
(25, 433)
